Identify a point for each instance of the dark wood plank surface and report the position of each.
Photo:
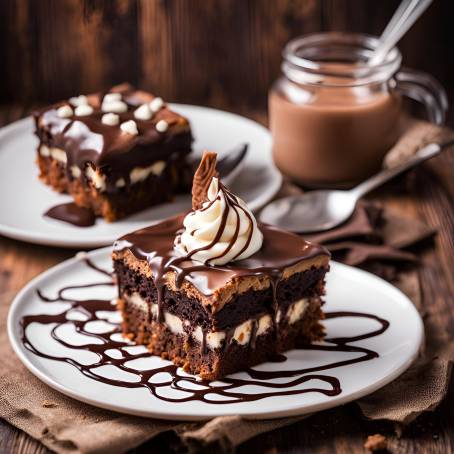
(224, 53)
(426, 194)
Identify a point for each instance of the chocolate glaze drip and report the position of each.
(95, 267)
(275, 278)
(252, 341)
(85, 139)
(203, 345)
(229, 390)
(72, 214)
(155, 244)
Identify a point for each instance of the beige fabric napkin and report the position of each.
(372, 239)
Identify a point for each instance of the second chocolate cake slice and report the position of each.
(115, 153)
(214, 291)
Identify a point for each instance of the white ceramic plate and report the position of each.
(24, 198)
(348, 289)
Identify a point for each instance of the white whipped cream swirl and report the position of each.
(223, 230)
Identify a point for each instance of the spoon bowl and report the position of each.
(310, 212)
(317, 211)
(231, 163)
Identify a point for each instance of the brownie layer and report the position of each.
(242, 306)
(166, 157)
(112, 205)
(232, 355)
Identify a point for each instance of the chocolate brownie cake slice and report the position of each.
(116, 152)
(214, 291)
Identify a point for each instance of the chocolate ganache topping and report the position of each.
(96, 129)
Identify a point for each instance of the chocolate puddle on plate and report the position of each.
(72, 214)
(225, 388)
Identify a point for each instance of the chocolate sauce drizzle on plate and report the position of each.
(72, 214)
(226, 390)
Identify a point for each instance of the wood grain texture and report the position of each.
(426, 194)
(224, 53)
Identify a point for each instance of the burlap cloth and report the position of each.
(372, 239)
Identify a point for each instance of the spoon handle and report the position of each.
(421, 155)
(405, 16)
(397, 16)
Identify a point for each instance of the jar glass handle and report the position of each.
(426, 90)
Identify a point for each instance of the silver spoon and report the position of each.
(321, 210)
(231, 163)
(403, 19)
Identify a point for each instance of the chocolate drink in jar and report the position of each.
(333, 118)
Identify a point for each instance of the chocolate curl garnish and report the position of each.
(202, 179)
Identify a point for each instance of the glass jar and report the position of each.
(333, 117)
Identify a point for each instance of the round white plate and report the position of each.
(24, 198)
(348, 289)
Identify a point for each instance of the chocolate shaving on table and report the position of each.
(362, 224)
(202, 178)
(373, 235)
(375, 442)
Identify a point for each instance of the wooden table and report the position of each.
(426, 194)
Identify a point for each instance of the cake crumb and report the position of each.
(48, 404)
(375, 442)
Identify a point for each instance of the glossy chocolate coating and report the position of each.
(72, 214)
(85, 139)
(155, 244)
